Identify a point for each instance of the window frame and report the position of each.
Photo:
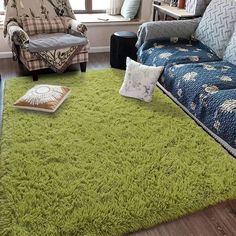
(88, 9)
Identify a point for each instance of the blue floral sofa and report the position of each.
(199, 59)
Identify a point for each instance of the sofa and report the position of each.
(199, 59)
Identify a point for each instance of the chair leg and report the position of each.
(83, 66)
(19, 61)
(35, 76)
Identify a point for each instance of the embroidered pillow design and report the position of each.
(43, 97)
(140, 80)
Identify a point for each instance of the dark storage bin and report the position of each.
(122, 46)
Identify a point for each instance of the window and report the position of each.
(89, 6)
(2, 8)
(79, 6)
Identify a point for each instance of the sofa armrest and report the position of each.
(75, 27)
(166, 29)
(17, 35)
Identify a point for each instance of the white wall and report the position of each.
(3, 42)
(99, 34)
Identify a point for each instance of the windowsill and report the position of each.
(104, 19)
(96, 19)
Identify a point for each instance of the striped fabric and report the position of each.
(40, 64)
(34, 26)
(33, 63)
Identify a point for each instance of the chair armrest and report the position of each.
(166, 29)
(75, 27)
(17, 35)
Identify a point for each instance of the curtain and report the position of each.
(114, 7)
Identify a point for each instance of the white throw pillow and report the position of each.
(140, 80)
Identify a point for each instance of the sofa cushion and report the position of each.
(161, 53)
(217, 25)
(230, 53)
(208, 91)
(166, 29)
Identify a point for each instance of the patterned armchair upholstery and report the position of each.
(45, 34)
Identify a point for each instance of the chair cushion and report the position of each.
(217, 25)
(27, 56)
(34, 26)
(230, 53)
(46, 42)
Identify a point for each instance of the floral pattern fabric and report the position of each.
(208, 91)
(140, 80)
(161, 53)
(18, 10)
(18, 35)
(59, 59)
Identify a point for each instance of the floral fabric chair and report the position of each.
(45, 34)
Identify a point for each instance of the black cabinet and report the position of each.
(122, 46)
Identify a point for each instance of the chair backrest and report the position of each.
(217, 25)
(17, 10)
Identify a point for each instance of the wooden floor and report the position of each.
(10, 68)
(217, 220)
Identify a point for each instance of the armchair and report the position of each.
(45, 34)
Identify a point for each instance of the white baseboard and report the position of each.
(92, 50)
(5, 54)
(99, 49)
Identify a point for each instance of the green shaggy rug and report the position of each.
(104, 165)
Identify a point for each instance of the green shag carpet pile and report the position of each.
(104, 165)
